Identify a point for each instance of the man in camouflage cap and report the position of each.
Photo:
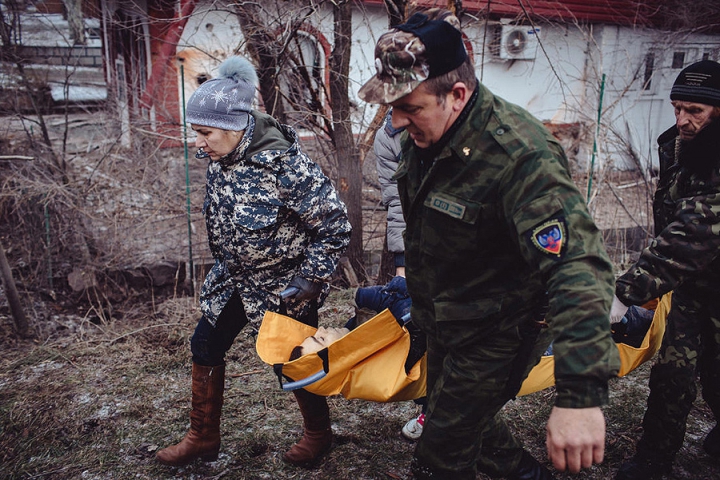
(683, 258)
(502, 257)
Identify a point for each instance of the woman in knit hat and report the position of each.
(273, 220)
(683, 258)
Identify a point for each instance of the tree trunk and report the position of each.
(16, 309)
(397, 11)
(386, 272)
(350, 180)
(75, 21)
(269, 51)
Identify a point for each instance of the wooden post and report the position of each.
(16, 309)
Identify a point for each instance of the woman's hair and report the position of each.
(296, 353)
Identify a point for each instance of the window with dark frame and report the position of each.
(649, 69)
(302, 81)
(678, 60)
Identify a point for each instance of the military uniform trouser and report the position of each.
(469, 368)
(691, 346)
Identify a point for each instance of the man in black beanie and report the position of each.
(683, 258)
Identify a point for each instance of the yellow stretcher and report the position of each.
(543, 376)
(369, 362)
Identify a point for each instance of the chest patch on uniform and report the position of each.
(550, 237)
(448, 207)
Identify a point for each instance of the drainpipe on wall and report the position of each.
(167, 52)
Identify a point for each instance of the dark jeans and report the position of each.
(210, 344)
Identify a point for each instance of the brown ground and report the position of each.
(95, 401)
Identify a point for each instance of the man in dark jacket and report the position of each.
(495, 226)
(683, 258)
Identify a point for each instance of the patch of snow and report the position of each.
(45, 366)
(84, 398)
(8, 80)
(87, 84)
(77, 93)
(106, 411)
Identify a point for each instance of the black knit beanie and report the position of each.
(698, 83)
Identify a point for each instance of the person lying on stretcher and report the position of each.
(370, 301)
(322, 338)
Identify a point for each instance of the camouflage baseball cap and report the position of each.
(411, 53)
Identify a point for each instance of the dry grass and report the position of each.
(97, 401)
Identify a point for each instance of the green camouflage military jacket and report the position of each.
(495, 223)
(271, 214)
(686, 211)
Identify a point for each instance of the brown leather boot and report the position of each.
(203, 439)
(317, 437)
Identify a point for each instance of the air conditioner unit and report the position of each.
(518, 42)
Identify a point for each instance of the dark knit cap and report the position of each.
(698, 83)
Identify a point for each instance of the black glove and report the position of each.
(308, 289)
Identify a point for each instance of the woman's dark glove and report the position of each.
(308, 290)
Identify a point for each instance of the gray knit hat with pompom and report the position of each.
(225, 102)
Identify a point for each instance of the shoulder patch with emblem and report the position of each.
(550, 237)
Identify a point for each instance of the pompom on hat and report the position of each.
(698, 83)
(225, 101)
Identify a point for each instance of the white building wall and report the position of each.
(550, 85)
(635, 115)
(368, 26)
(560, 84)
(210, 36)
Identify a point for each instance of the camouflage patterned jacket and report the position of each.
(686, 211)
(495, 223)
(271, 214)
